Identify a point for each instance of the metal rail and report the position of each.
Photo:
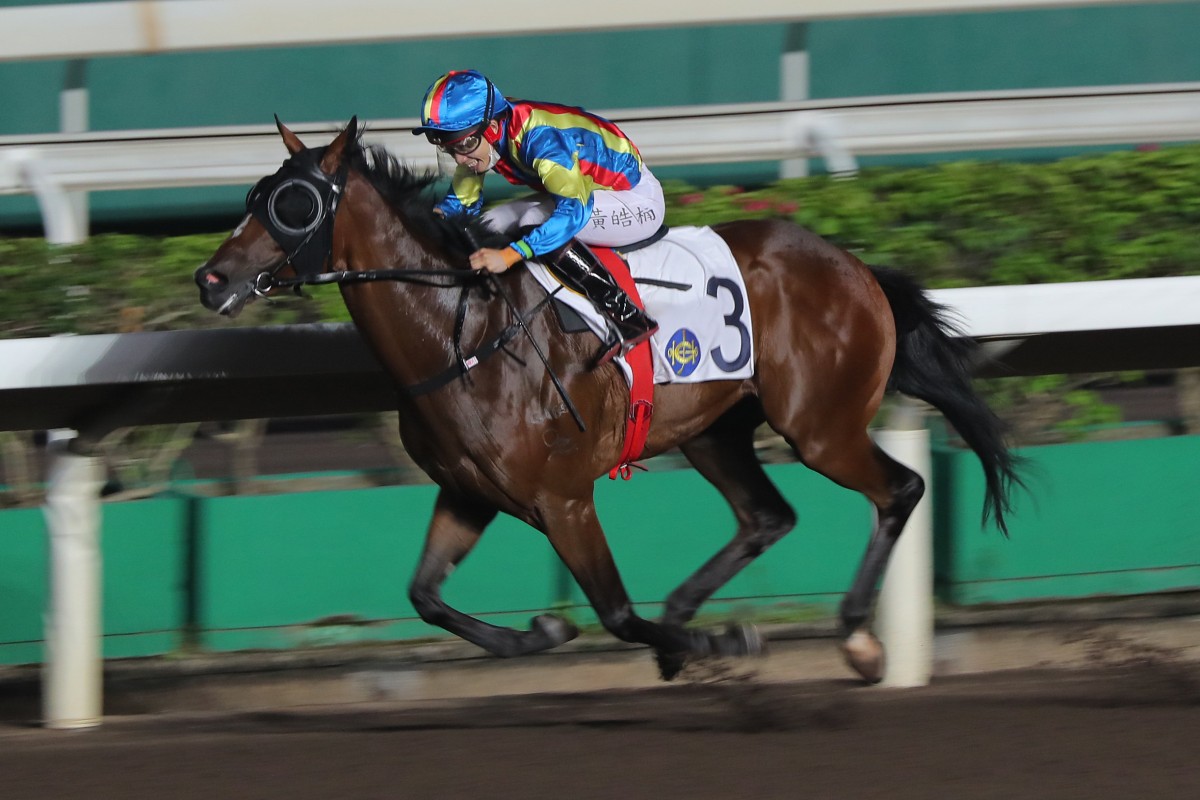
(95, 383)
(51, 166)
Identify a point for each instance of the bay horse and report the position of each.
(529, 430)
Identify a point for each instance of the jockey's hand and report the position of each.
(494, 260)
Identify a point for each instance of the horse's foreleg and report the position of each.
(725, 456)
(575, 533)
(455, 529)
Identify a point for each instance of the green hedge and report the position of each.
(1133, 214)
(1127, 214)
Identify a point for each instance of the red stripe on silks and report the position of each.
(618, 181)
(435, 102)
(641, 389)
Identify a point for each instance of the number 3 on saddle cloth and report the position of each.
(689, 283)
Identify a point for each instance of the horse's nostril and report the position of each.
(213, 280)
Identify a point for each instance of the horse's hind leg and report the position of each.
(856, 462)
(724, 455)
(455, 529)
(892, 510)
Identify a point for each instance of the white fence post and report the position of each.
(904, 614)
(73, 118)
(73, 667)
(793, 85)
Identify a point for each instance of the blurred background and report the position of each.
(1018, 215)
(603, 70)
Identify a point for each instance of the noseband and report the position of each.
(297, 206)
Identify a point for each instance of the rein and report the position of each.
(266, 281)
(419, 277)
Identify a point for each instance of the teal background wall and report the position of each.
(1096, 46)
(1103, 518)
(292, 570)
(144, 592)
(605, 70)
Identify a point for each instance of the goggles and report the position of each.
(461, 145)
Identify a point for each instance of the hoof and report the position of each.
(737, 640)
(555, 630)
(864, 654)
(670, 664)
(740, 639)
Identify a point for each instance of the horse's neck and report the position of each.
(412, 326)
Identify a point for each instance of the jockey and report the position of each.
(591, 188)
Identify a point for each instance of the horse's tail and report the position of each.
(933, 363)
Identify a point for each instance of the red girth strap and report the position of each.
(640, 359)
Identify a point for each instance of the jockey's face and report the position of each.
(479, 159)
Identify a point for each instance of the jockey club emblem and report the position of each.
(683, 352)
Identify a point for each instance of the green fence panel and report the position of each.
(22, 585)
(332, 567)
(143, 600)
(1103, 518)
(278, 571)
(145, 569)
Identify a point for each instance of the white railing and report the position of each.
(178, 376)
(51, 166)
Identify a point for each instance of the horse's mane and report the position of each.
(410, 194)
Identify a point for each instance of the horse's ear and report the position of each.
(290, 140)
(333, 154)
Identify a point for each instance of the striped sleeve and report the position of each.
(465, 195)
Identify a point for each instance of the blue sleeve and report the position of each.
(551, 153)
(569, 218)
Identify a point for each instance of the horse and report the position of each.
(528, 430)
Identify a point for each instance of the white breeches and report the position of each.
(618, 217)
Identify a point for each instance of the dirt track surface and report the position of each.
(1126, 732)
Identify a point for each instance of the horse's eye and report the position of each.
(296, 206)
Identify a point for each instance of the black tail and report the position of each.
(933, 363)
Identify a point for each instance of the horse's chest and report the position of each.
(453, 453)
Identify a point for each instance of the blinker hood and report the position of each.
(297, 206)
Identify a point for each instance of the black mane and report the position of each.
(410, 195)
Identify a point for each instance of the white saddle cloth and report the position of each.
(704, 331)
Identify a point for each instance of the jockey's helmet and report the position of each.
(457, 102)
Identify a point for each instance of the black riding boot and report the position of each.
(579, 268)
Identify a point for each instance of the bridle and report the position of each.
(298, 205)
